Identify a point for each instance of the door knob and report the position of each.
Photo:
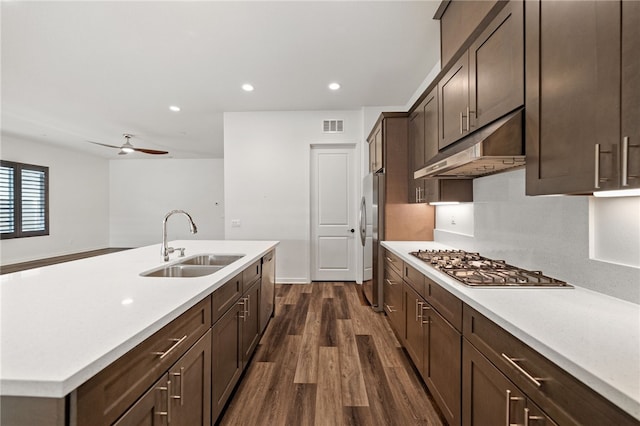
(352, 230)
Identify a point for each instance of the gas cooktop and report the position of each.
(474, 270)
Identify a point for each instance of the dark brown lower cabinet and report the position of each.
(415, 330)
(490, 398)
(434, 346)
(394, 302)
(150, 409)
(190, 385)
(250, 322)
(226, 356)
(442, 363)
(182, 396)
(235, 337)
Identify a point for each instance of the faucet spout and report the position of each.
(192, 227)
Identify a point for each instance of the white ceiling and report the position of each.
(92, 70)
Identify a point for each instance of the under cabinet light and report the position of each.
(444, 203)
(618, 193)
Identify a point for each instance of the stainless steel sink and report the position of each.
(182, 271)
(198, 265)
(212, 259)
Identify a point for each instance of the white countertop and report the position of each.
(61, 324)
(592, 336)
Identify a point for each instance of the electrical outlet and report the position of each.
(235, 223)
(453, 220)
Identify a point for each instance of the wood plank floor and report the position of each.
(327, 359)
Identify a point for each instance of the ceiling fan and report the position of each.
(126, 147)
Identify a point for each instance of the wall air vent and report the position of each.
(333, 126)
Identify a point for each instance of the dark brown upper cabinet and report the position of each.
(458, 19)
(453, 101)
(630, 119)
(496, 67)
(582, 96)
(376, 160)
(487, 80)
(423, 137)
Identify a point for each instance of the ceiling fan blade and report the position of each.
(150, 151)
(104, 144)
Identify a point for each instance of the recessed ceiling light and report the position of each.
(247, 87)
(174, 108)
(334, 86)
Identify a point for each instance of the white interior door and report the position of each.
(333, 214)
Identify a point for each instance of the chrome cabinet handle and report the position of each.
(168, 351)
(425, 307)
(241, 302)
(508, 404)
(389, 281)
(181, 375)
(513, 362)
(528, 417)
(390, 259)
(461, 119)
(626, 146)
(468, 119)
(164, 389)
(389, 308)
(596, 183)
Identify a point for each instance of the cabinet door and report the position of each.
(251, 322)
(572, 95)
(372, 156)
(151, 409)
(394, 302)
(416, 152)
(379, 147)
(430, 112)
(631, 94)
(414, 335)
(496, 67)
(190, 385)
(226, 357)
(453, 99)
(443, 363)
(488, 397)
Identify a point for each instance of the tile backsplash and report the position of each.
(591, 243)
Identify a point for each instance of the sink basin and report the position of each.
(183, 271)
(212, 259)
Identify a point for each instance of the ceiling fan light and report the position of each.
(126, 148)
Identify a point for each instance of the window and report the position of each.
(24, 200)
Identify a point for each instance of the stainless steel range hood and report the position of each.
(496, 147)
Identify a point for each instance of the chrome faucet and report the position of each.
(168, 250)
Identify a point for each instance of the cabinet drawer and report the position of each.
(392, 261)
(102, 399)
(448, 305)
(251, 274)
(565, 399)
(394, 301)
(226, 296)
(414, 278)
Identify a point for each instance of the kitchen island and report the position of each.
(63, 324)
(593, 337)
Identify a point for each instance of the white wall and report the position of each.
(142, 192)
(574, 238)
(267, 183)
(78, 202)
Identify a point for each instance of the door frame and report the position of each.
(357, 194)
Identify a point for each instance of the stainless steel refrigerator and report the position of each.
(371, 233)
